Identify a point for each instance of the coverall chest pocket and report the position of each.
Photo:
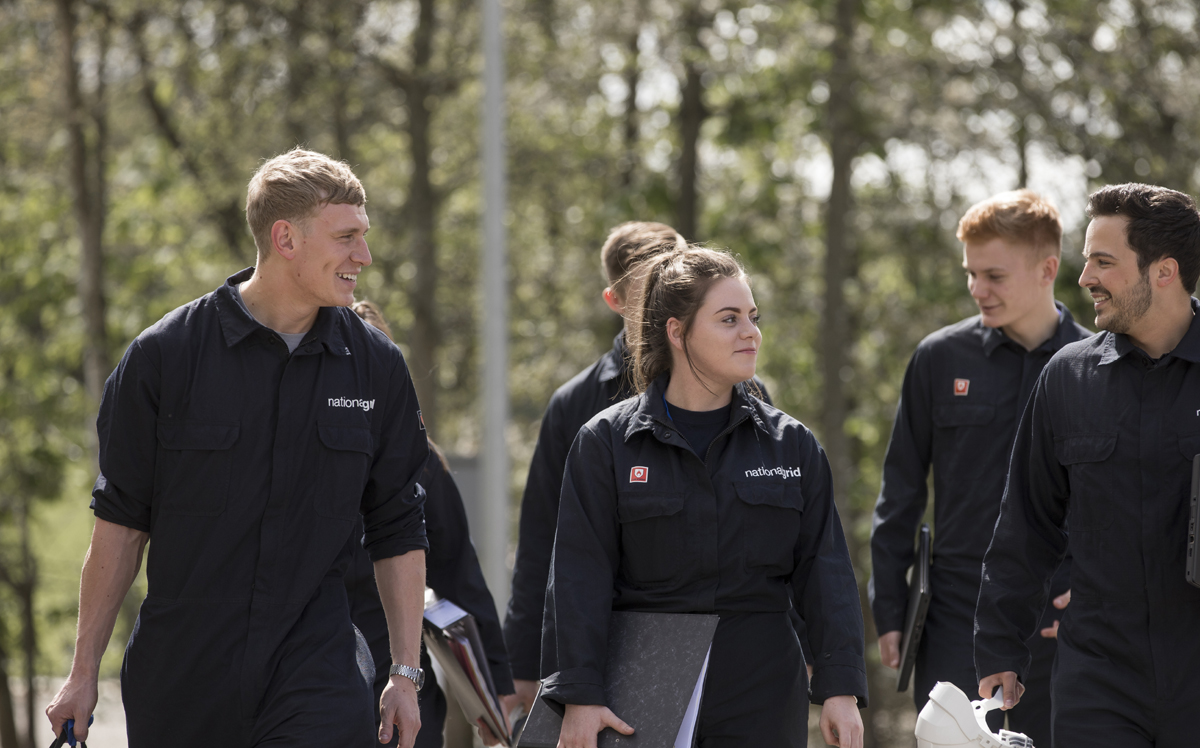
(1189, 447)
(195, 459)
(345, 457)
(772, 524)
(655, 544)
(1082, 455)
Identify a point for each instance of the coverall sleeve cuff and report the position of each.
(839, 680)
(501, 677)
(575, 686)
(985, 666)
(105, 512)
(397, 547)
(885, 622)
(525, 669)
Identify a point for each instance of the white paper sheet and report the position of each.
(688, 728)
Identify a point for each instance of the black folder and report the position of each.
(655, 663)
(914, 616)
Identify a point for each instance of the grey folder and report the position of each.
(654, 663)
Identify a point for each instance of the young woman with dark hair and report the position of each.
(697, 497)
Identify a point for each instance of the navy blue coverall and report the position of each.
(250, 468)
(597, 387)
(964, 432)
(744, 531)
(1105, 448)
(452, 570)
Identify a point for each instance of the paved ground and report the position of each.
(109, 730)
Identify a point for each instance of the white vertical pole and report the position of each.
(493, 536)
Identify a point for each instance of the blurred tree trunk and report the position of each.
(836, 332)
(300, 74)
(20, 576)
(837, 328)
(8, 724)
(692, 114)
(87, 180)
(25, 588)
(629, 160)
(421, 210)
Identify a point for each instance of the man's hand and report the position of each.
(75, 700)
(1013, 688)
(582, 723)
(398, 707)
(526, 692)
(1060, 602)
(889, 649)
(841, 724)
(112, 562)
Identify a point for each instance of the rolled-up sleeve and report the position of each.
(824, 585)
(393, 501)
(582, 571)
(128, 441)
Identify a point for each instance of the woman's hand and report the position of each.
(583, 722)
(841, 724)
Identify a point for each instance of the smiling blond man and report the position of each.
(245, 433)
(962, 398)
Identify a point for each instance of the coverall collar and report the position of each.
(237, 324)
(651, 412)
(615, 363)
(993, 337)
(1118, 345)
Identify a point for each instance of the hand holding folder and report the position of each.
(653, 680)
(453, 641)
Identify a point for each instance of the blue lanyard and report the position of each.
(667, 408)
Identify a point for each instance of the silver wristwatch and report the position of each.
(415, 674)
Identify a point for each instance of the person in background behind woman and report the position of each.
(451, 570)
(697, 497)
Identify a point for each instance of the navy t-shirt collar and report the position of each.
(652, 410)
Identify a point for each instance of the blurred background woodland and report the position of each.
(832, 144)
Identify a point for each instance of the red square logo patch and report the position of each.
(639, 475)
(961, 386)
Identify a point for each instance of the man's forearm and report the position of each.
(112, 563)
(401, 582)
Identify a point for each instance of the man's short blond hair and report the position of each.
(294, 186)
(630, 244)
(1020, 216)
